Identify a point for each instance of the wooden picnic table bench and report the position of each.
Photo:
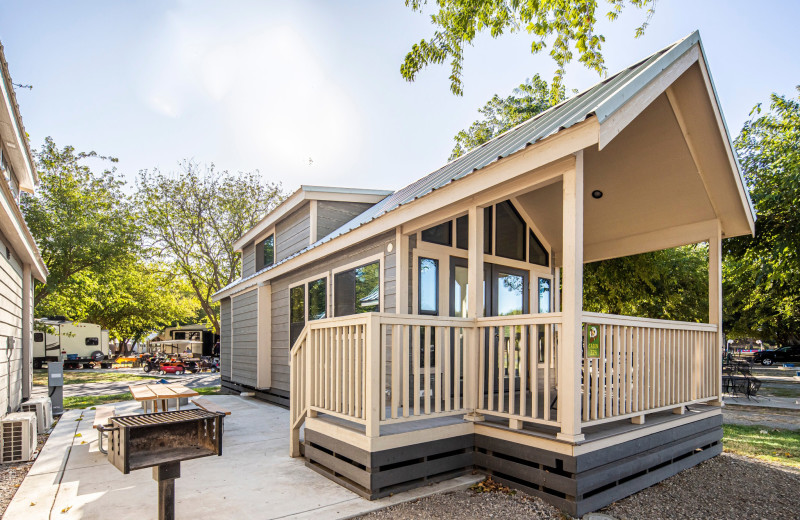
(209, 406)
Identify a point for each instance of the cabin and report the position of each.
(20, 261)
(439, 329)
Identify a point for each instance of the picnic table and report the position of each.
(155, 393)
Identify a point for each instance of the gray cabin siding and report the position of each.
(244, 334)
(292, 232)
(331, 215)
(280, 297)
(249, 259)
(11, 363)
(225, 337)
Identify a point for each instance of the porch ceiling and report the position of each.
(654, 196)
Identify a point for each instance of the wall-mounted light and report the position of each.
(597, 194)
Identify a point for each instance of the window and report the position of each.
(178, 335)
(317, 299)
(38, 337)
(537, 254)
(462, 232)
(297, 310)
(91, 342)
(357, 290)
(544, 295)
(460, 290)
(269, 251)
(441, 234)
(510, 232)
(428, 286)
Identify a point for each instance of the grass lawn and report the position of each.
(780, 391)
(87, 401)
(777, 446)
(71, 378)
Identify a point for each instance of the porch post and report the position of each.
(474, 310)
(401, 262)
(569, 348)
(374, 397)
(715, 304)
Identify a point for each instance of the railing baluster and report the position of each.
(490, 376)
(449, 367)
(415, 354)
(523, 371)
(534, 346)
(406, 375)
(512, 371)
(548, 342)
(438, 344)
(481, 365)
(427, 373)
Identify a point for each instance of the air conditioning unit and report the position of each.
(43, 408)
(18, 437)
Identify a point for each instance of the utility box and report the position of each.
(55, 383)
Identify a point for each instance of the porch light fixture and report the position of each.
(597, 194)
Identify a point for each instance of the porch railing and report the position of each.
(647, 365)
(379, 369)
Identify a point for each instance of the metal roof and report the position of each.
(600, 101)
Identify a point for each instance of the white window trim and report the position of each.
(304, 283)
(379, 257)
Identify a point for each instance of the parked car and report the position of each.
(781, 355)
(172, 367)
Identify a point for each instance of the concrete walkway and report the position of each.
(120, 387)
(254, 477)
(772, 412)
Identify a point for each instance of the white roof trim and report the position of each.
(305, 193)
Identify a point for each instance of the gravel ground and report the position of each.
(471, 506)
(728, 486)
(12, 475)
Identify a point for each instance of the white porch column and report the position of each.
(474, 310)
(264, 344)
(569, 349)
(27, 331)
(715, 303)
(402, 283)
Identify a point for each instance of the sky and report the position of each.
(311, 93)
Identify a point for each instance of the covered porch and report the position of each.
(491, 361)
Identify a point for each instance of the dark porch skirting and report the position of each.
(274, 396)
(575, 484)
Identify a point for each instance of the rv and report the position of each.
(197, 338)
(77, 343)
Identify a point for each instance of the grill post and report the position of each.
(165, 475)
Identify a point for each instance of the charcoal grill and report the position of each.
(161, 441)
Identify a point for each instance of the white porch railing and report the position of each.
(378, 369)
(648, 365)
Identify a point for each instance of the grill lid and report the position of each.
(162, 418)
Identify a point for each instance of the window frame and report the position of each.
(437, 282)
(304, 283)
(379, 257)
(258, 249)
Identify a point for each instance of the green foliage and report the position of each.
(81, 220)
(762, 273)
(569, 23)
(761, 442)
(192, 218)
(88, 233)
(671, 284)
(502, 114)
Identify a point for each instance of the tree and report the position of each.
(570, 22)
(192, 218)
(81, 220)
(762, 273)
(501, 114)
(671, 284)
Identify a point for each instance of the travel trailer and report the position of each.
(78, 343)
(174, 340)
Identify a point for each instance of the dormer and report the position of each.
(309, 214)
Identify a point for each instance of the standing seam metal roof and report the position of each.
(600, 101)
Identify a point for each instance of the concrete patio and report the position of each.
(254, 478)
